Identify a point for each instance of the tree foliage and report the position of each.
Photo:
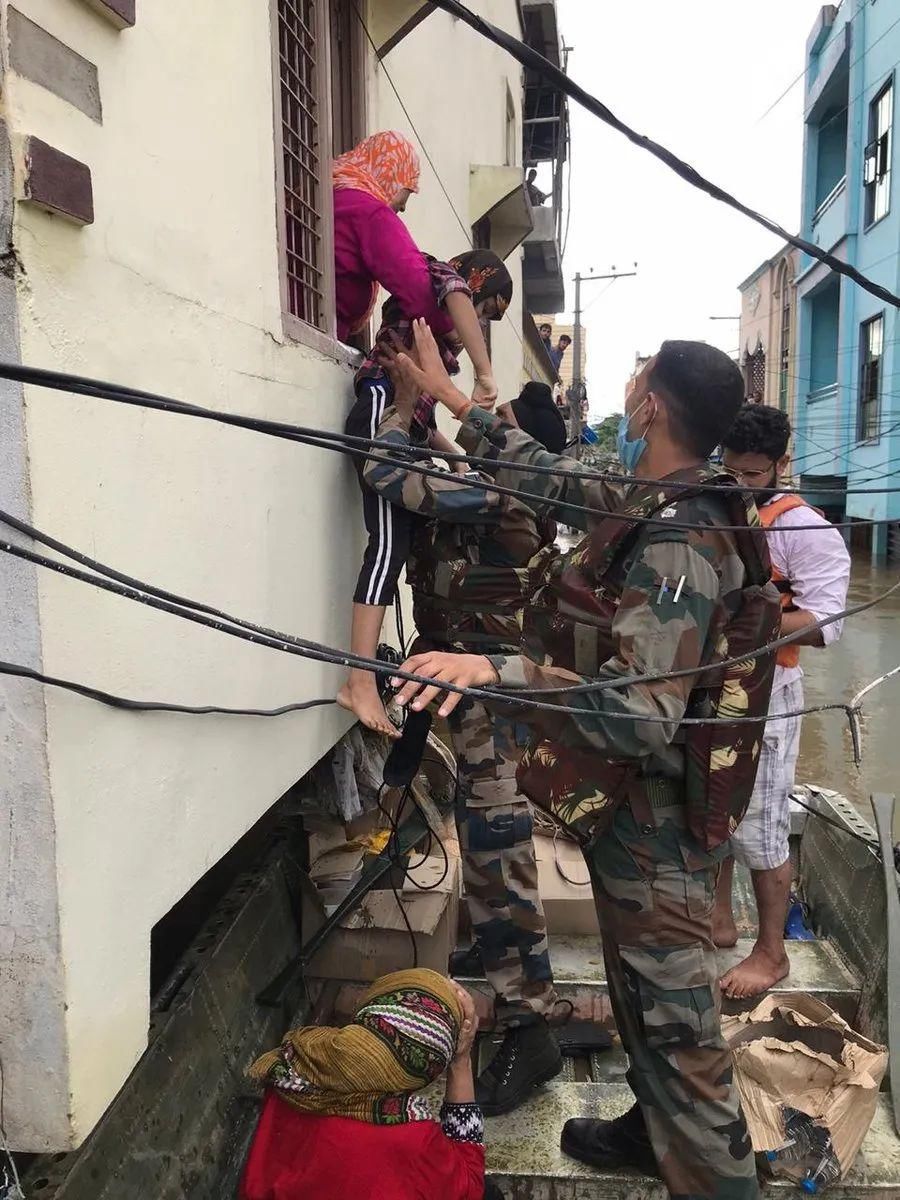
(606, 430)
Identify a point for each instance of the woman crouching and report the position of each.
(341, 1117)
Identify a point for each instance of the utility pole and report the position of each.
(578, 391)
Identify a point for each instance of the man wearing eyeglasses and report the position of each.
(811, 569)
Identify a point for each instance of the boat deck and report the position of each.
(523, 1155)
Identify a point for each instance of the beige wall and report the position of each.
(761, 315)
(175, 288)
(535, 367)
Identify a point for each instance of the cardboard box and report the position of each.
(565, 887)
(374, 940)
(795, 1051)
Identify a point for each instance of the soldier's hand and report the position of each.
(462, 670)
(430, 375)
(406, 391)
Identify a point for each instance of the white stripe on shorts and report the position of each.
(385, 516)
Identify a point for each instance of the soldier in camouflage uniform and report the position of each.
(472, 568)
(648, 794)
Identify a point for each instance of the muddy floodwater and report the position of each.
(869, 647)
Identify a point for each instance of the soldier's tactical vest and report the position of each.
(570, 624)
(471, 605)
(788, 656)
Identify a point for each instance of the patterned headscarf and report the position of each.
(381, 165)
(485, 276)
(401, 1040)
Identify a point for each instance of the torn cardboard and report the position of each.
(565, 886)
(797, 1052)
(374, 940)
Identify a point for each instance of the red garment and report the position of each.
(372, 246)
(298, 1156)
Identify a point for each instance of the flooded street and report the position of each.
(870, 646)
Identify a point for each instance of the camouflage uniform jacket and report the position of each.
(475, 563)
(663, 602)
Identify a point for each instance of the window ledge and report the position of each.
(877, 221)
(298, 333)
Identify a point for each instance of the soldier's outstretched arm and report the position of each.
(669, 598)
(452, 498)
(486, 436)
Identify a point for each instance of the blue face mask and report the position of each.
(630, 450)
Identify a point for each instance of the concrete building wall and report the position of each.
(112, 816)
(763, 296)
(851, 55)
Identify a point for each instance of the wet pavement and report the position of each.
(869, 647)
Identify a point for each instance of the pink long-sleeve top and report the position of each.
(372, 245)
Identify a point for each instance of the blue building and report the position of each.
(847, 367)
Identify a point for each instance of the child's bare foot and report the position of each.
(359, 695)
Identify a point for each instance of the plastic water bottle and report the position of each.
(803, 1139)
(806, 1145)
(795, 927)
(828, 1170)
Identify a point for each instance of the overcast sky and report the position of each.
(697, 77)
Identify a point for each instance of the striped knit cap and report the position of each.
(401, 1039)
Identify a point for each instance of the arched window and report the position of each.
(754, 366)
(784, 342)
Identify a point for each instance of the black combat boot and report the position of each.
(528, 1056)
(623, 1142)
(466, 964)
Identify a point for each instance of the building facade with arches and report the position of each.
(768, 331)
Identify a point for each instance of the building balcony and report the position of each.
(818, 440)
(542, 276)
(499, 208)
(829, 223)
(545, 111)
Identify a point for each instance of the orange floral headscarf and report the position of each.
(381, 165)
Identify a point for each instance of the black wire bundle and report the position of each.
(396, 856)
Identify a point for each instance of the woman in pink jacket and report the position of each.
(374, 249)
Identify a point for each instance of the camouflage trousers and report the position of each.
(499, 867)
(655, 892)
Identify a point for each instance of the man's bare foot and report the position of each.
(724, 930)
(758, 972)
(360, 696)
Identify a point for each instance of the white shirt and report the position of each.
(817, 565)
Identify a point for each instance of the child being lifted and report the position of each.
(472, 288)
